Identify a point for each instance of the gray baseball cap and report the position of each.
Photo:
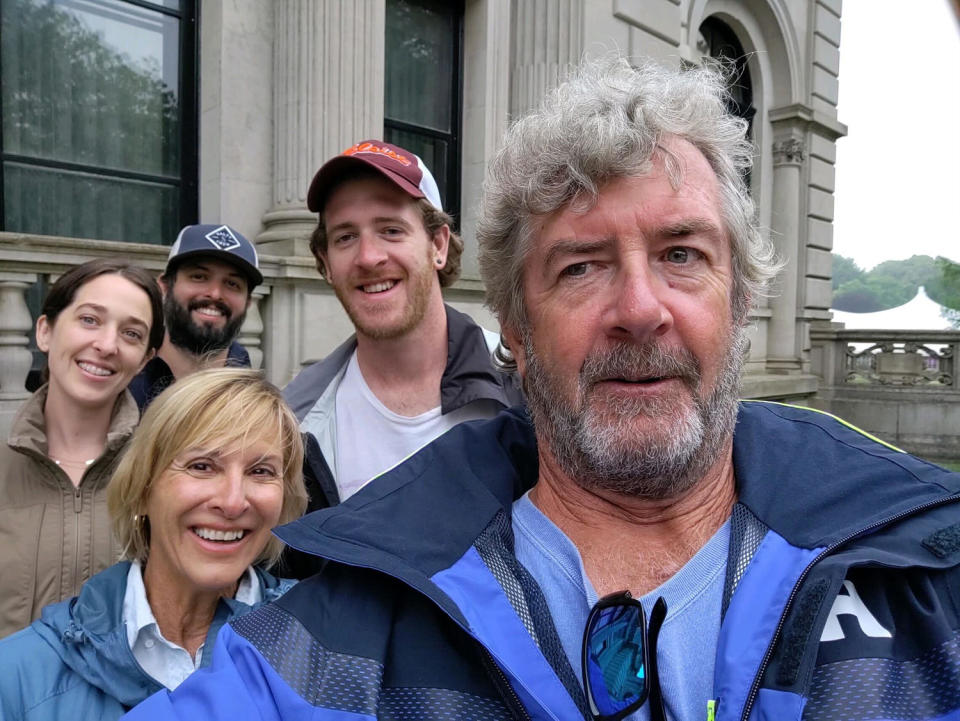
(220, 242)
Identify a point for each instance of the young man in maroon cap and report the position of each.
(416, 367)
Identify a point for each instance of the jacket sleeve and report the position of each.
(239, 685)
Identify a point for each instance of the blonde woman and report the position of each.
(214, 465)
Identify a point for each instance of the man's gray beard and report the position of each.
(600, 449)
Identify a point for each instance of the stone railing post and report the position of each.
(15, 357)
(251, 332)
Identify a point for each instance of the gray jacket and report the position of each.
(469, 377)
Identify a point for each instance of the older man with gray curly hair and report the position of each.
(648, 546)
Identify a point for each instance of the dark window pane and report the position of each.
(419, 78)
(716, 40)
(432, 151)
(91, 83)
(67, 203)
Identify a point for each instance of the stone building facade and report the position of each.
(284, 85)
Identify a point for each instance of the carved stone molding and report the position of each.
(790, 151)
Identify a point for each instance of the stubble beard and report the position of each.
(594, 440)
(199, 339)
(421, 285)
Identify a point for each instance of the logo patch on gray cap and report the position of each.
(223, 238)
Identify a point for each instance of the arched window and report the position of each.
(717, 40)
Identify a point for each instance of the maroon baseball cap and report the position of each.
(406, 170)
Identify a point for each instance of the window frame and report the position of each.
(452, 188)
(188, 78)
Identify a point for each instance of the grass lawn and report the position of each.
(952, 465)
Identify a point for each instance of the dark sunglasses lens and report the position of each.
(616, 660)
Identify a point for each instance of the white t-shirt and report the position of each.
(372, 439)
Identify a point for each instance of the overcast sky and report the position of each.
(898, 169)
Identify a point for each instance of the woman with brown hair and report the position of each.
(101, 322)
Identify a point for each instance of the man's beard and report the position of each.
(420, 283)
(593, 438)
(199, 338)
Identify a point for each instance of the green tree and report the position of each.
(913, 272)
(894, 282)
(871, 293)
(844, 269)
(946, 290)
(945, 286)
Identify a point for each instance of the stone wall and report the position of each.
(287, 84)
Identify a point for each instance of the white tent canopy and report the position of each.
(921, 313)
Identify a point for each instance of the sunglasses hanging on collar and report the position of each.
(619, 659)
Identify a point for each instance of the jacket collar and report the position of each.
(469, 374)
(461, 482)
(478, 469)
(816, 480)
(89, 635)
(29, 429)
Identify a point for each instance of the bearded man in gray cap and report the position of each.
(211, 272)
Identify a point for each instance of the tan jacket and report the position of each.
(53, 536)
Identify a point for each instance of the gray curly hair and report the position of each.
(607, 121)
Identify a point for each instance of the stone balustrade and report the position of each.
(900, 385)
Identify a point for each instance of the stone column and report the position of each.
(547, 40)
(328, 93)
(783, 337)
(486, 98)
(15, 358)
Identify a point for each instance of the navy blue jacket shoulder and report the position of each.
(156, 375)
(840, 601)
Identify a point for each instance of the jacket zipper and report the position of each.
(77, 508)
(755, 687)
(499, 678)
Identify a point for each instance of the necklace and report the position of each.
(75, 464)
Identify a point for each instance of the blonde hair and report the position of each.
(225, 406)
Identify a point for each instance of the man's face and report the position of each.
(205, 305)
(380, 260)
(630, 359)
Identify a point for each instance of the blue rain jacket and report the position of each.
(74, 662)
(840, 603)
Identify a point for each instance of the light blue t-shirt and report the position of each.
(687, 643)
